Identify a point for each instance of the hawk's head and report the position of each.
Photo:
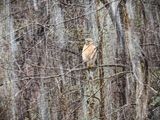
(88, 41)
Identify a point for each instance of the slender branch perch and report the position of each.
(111, 65)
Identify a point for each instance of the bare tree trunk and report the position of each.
(101, 69)
(102, 83)
(5, 89)
(139, 65)
(43, 98)
(13, 47)
(91, 98)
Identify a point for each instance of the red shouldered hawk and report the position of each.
(89, 52)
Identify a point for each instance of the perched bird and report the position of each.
(89, 53)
